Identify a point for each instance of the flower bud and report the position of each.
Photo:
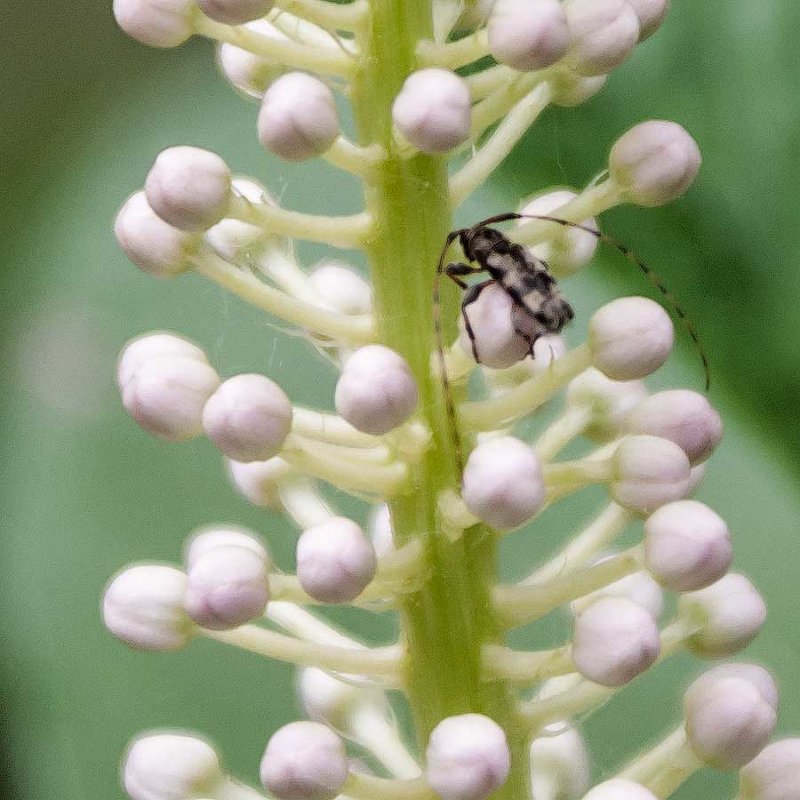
(380, 530)
(170, 766)
(654, 163)
(614, 641)
(149, 242)
(376, 391)
(687, 546)
(335, 561)
(648, 473)
(502, 483)
(650, 13)
(559, 763)
(629, 338)
(298, 118)
(304, 761)
(232, 238)
(731, 613)
(729, 719)
(774, 774)
(467, 758)
(341, 287)
(571, 89)
(208, 539)
(619, 789)
(189, 188)
(259, 482)
(150, 346)
(603, 34)
(683, 417)
(158, 23)
(572, 248)
(433, 110)
(248, 418)
(528, 34)
(752, 673)
(143, 606)
(235, 12)
(249, 73)
(638, 587)
(609, 402)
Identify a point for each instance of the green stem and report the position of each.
(449, 620)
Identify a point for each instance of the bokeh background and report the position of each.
(83, 111)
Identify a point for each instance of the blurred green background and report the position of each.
(83, 111)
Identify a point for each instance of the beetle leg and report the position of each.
(473, 292)
(453, 271)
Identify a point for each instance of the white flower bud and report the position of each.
(150, 346)
(246, 71)
(206, 540)
(609, 402)
(232, 238)
(341, 287)
(467, 757)
(619, 789)
(650, 13)
(189, 188)
(572, 248)
(304, 761)
(559, 763)
(433, 111)
(335, 560)
(143, 606)
(687, 546)
(166, 393)
(654, 163)
(729, 719)
(638, 587)
(158, 23)
(170, 766)
(752, 673)
(571, 89)
(629, 338)
(376, 391)
(614, 641)
(248, 418)
(649, 472)
(259, 481)
(149, 242)
(774, 774)
(497, 343)
(235, 12)
(503, 484)
(528, 34)
(227, 586)
(298, 117)
(603, 34)
(380, 530)
(731, 613)
(683, 417)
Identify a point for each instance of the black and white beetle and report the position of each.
(538, 307)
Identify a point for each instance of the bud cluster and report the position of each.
(441, 466)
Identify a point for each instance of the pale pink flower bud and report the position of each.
(683, 417)
(189, 188)
(143, 606)
(630, 337)
(603, 33)
(304, 761)
(341, 287)
(654, 162)
(432, 110)
(619, 789)
(150, 346)
(528, 34)
(649, 472)
(376, 391)
(235, 12)
(638, 587)
(503, 484)
(609, 402)
(614, 641)
(248, 418)
(149, 242)
(774, 774)
(731, 613)
(729, 720)
(335, 560)
(467, 758)
(298, 117)
(752, 673)
(246, 71)
(687, 546)
(159, 23)
(208, 539)
(559, 763)
(259, 482)
(170, 766)
(651, 13)
(572, 248)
